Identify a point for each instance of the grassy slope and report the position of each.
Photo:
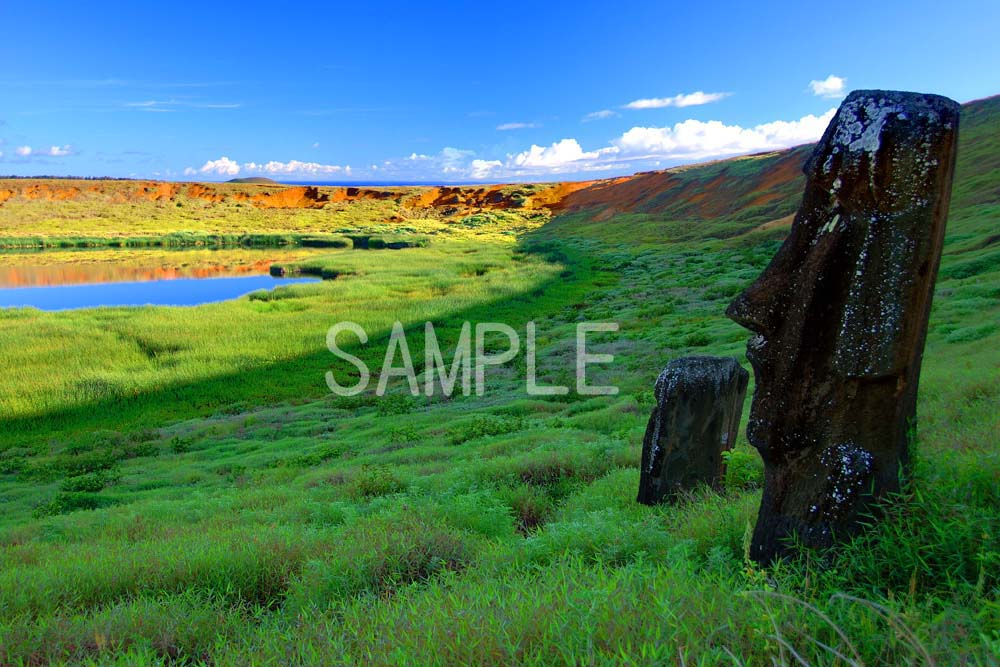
(499, 530)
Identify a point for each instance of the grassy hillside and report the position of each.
(178, 495)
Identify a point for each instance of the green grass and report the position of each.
(113, 366)
(182, 489)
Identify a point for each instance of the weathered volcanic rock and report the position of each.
(840, 317)
(699, 401)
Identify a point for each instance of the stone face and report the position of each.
(699, 401)
(840, 317)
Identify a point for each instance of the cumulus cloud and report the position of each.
(480, 169)
(682, 100)
(23, 151)
(695, 139)
(295, 167)
(453, 160)
(639, 147)
(223, 167)
(831, 87)
(555, 157)
(685, 141)
(516, 126)
(599, 115)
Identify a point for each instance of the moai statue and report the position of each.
(840, 317)
(699, 401)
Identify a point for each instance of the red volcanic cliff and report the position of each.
(703, 191)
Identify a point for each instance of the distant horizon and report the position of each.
(52, 177)
(410, 183)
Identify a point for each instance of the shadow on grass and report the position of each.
(302, 377)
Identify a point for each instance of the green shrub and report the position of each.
(531, 507)
(66, 502)
(320, 455)
(697, 339)
(400, 435)
(91, 482)
(744, 468)
(394, 404)
(379, 556)
(969, 334)
(373, 481)
(485, 425)
(179, 445)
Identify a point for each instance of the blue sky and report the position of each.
(446, 92)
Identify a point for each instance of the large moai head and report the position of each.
(840, 315)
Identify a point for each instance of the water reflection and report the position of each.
(73, 267)
(180, 292)
(60, 280)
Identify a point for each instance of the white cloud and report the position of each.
(479, 169)
(453, 160)
(599, 115)
(223, 167)
(652, 147)
(162, 106)
(315, 144)
(640, 147)
(52, 151)
(516, 126)
(59, 151)
(294, 167)
(558, 155)
(682, 100)
(695, 139)
(832, 87)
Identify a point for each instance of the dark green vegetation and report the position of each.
(196, 240)
(181, 488)
(254, 180)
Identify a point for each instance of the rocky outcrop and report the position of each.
(455, 201)
(840, 317)
(699, 401)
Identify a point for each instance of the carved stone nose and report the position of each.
(758, 308)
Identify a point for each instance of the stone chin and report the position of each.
(760, 405)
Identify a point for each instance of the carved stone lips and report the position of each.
(756, 347)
